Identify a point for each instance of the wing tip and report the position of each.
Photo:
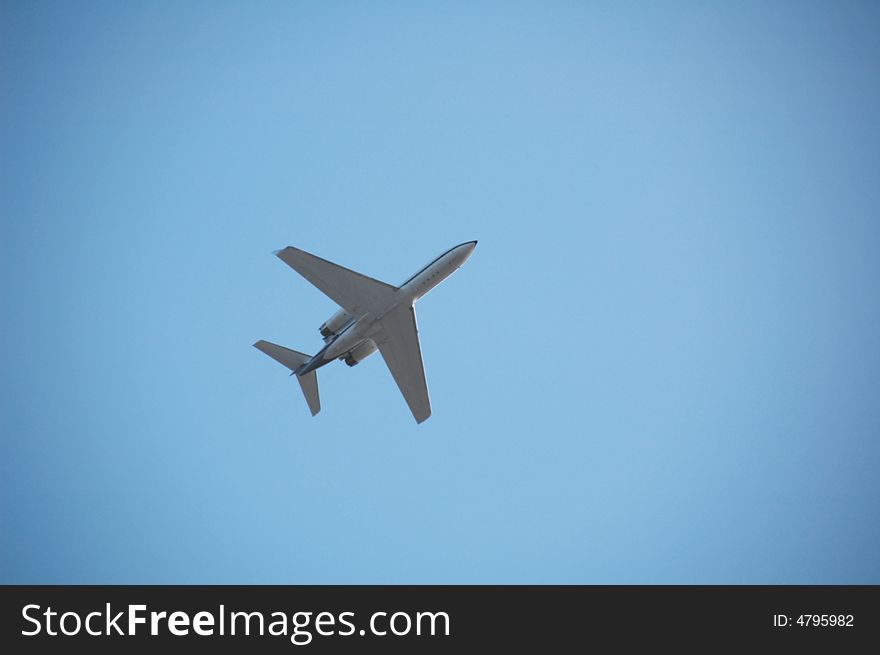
(422, 416)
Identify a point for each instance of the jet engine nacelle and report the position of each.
(360, 353)
(335, 323)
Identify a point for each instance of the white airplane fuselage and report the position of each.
(355, 333)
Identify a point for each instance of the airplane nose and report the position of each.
(464, 250)
(467, 249)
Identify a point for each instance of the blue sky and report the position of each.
(661, 365)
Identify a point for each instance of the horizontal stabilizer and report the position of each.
(309, 385)
(294, 360)
(290, 358)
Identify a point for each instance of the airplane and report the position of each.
(373, 316)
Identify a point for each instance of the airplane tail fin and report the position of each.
(294, 361)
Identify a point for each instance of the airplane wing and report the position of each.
(398, 341)
(355, 293)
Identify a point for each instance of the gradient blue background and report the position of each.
(661, 365)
